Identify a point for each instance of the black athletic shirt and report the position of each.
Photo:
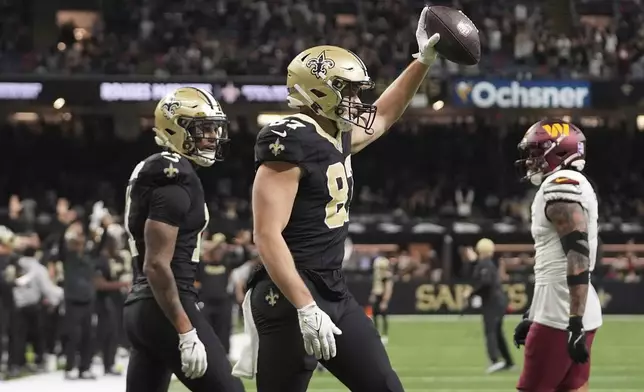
(165, 188)
(319, 223)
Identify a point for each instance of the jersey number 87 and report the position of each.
(337, 211)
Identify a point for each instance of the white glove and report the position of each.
(194, 360)
(318, 332)
(477, 302)
(426, 52)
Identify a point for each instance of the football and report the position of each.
(459, 41)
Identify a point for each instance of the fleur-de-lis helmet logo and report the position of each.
(169, 108)
(320, 65)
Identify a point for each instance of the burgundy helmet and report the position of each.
(551, 145)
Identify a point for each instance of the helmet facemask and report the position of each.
(351, 109)
(542, 159)
(205, 138)
(533, 165)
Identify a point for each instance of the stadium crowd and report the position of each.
(467, 173)
(232, 37)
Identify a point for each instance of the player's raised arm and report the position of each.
(394, 101)
(168, 205)
(274, 190)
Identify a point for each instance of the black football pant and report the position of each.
(54, 332)
(361, 363)
(5, 315)
(26, 326)
(379, 313)
(219, 315)
(495, 341)
(155, 351)
(108, 331)
(78, 329)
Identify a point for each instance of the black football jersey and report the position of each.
(318, 227)
(165, 187)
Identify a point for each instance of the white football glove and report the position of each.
(426, 52)
(318, 332)
(194, 360)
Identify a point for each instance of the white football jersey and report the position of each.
(551, 300)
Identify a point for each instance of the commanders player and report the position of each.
(381, 292)
(300, 303)
(565, 311)
(165, 214)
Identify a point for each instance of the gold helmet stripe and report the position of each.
(362, 64)
(205, 97)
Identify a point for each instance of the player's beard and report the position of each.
(345, 124)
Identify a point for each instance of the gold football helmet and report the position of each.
(190, 122)
(328, 80)
(381, 263)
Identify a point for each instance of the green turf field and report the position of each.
(442, 355)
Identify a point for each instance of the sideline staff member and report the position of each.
(487, 286)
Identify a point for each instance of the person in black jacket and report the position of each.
(7, 276)
(488, 294)
(111, 281)
(79, 269)
(213, 275)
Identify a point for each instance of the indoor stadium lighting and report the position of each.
(640, 122)
(79, 33)
(59, 103)
(438, 105)
(267, 118)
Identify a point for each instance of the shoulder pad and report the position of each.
(281, 141)
(562, 188)
(164, 169)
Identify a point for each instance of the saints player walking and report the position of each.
(165, 214)
(301, 196)
(565, 311)
(381, 291)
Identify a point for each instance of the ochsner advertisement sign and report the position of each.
(525, 94)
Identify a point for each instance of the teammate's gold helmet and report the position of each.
(184, 117)
(381, 263)
(328, 79)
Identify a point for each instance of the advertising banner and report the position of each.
(423, 297)
(92, 92)
(521, 94)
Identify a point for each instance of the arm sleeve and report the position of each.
(169, 204)
(271, 147)
(562, 189)
(48, 289)
(482, 278)
(102, 268)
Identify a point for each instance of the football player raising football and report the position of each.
(559, 329)
(299, 303)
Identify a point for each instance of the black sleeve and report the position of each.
(169, 204)
(278, 144)
(483, 277)
(98, 246)
(102, 268)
